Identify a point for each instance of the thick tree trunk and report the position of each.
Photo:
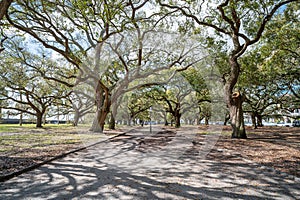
(227, 118)
(177, 117)
(39, 120)
(21, 119)
(112, 122)
(76, 118)
(206, 120)
(165, 114)
(103, 103)
(236, 116)
(95, 126)
(253, 118)
(129, 121)
(234, 100)
(198, 121)
(99, 121)
(166, 122)
(259, 120)
(134, 121)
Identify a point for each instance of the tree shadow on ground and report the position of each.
(277, 147)
(116, 170)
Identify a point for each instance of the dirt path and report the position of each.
(143, 165)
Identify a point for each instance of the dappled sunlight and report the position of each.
(118, 169)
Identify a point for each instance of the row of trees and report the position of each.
(106, 49)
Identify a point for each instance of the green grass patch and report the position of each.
(9, 128)
(33, 138)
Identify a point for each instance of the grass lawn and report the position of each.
(22, 146)
(15, 138)
(8, 128)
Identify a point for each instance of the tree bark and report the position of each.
(206, 120)
(165, 114)
(227, 118)
(112, 122)
(39, 120)
(237, 117)
(235, 100)
(21, 119)
(253, 118)
(103, 103)
(259, 120)
(4, 5)
(166, 122)
(99, 121)
(129, 121)
(177, 117)
(76, 118)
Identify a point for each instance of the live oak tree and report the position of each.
(69, 28)
(241, 24)
(138, 105)
(176, 97)
(264, 86)
(29, 81)
(270, 77)
(281, 46)
(30, 91)
(263, 93)
(82, 103)
(111, 43)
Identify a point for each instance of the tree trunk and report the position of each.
(166, 122)
(198, 121)
(165, 114)
(227, 118)
(44, 119)
(58, 115)
(103, 103)
(206, 120)
(21, 119)
(134, 121)
(253, 118)
(112, 122)
(76, 118)
(39, 120)
(236, 116)
(99, 121)
(177, 117)
(259, 120)
(4, 5)
(129, 121)
(234, 100)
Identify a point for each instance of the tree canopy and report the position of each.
(110, 48)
